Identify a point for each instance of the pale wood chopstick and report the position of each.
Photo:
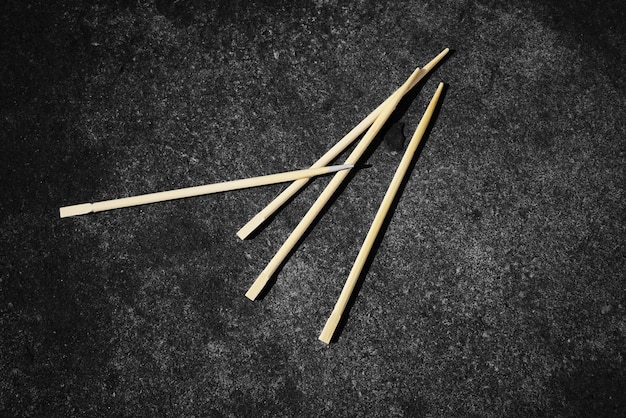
(357, 268)
(143, 199)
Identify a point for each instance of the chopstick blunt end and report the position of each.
(75, 210)
(251, 226)
(258, 286)
(252, 293)
(329, 329)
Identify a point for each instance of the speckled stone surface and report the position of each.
(496, 290)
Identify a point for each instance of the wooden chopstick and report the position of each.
(85, 208)
(330, 155)
(263, 278)
(357, 268)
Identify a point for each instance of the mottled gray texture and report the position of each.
(497, 289)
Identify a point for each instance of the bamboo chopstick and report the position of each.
(258, 286)
(85, 208)
(357, 268)
(330, 155)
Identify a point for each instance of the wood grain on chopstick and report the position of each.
(357, 268)
(85, 208)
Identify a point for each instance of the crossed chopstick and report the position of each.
(372, 124)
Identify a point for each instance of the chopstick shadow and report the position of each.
(387, 220)
(396, 116)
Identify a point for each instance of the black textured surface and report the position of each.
(497, 289)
